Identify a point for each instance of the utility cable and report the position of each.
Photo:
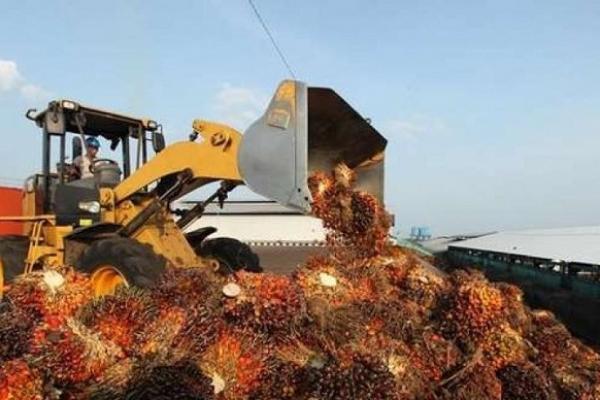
(268, 32)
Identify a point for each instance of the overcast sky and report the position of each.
(492, 109)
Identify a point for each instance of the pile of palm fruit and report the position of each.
(366, 321)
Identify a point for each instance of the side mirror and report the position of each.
(158, 142)
(76, 148)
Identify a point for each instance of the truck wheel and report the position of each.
(120, 261)
(231, 254)
(13, 252)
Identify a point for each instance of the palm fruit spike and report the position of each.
(525, 381)
(184, 287)
(504, 346)
(359, 376)
(157, 337)
(266, 302)
(475, 309)
(16, 328)
(192, 296)
(236, 364)
(284, 380)
(19, 382)
(53, 295)
(353, 218)
(121, 317)
(72, 353)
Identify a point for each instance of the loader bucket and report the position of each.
(306, 129)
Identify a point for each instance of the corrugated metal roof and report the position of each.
(577, 244)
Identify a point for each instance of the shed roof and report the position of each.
(576, 244)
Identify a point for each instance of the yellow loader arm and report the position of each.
(213, 158)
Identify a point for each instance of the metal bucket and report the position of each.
(306, 129)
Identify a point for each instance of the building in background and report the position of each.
(283, 238)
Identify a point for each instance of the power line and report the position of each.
(268, 32)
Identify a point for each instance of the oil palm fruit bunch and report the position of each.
(20, 382)
(53, 295)
(424, 286)
(193, 296)
(266, 302)
(179, 381)
(525, 381)
(16, 328)
(71, 353)
(121, 317)
(518, 314)
(574, 382)
(434, 355)
(504, 346)
(188, 287)
(283, 380)
(474, 309)
(551, 339)
(357, 376)
(236, 364)
(158, 336)
(353, 218)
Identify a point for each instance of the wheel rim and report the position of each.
(106, 279)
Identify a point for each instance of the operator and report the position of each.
(84, 162)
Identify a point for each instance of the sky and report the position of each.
(491, 108)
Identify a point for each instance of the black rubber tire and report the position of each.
(13, 252)
(137, 262)
(231, 254)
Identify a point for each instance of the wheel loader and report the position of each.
(120, 226)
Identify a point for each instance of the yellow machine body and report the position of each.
(212, 158)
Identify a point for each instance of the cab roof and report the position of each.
(96, 122)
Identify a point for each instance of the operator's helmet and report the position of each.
(92, 142)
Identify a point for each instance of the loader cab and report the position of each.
(126, 144)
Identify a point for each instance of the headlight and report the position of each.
(92, 207)
(69, 105)
(152, 125)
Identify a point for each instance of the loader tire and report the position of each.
(121, 261)
(13, 252)
(231, 254)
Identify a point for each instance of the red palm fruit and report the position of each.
(120, 318)
(423, 285)
(518, 314)
(72, 353)
(53, 295)
(552, 340)
(474, 309)
(157, 337)
(236, 362)
(185, 287)
(504, 346)
(267, 302)
(16, 329)
(19, 382)
(284, 380)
